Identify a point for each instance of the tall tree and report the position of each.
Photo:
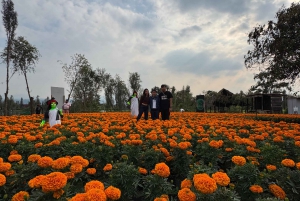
(276, 46)
(121, 93)
(73, 70)
(135, 81)
(109, 85)
(266, 83)
(10, 22)
(24, 56)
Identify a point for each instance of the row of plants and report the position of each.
(110, 156)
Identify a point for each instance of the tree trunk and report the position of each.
(7, 79)
(31, 99)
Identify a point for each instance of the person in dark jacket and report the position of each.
(165, 102)
(39, 109)
(144, 105)
(154, 104)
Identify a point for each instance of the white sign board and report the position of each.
(59, 94)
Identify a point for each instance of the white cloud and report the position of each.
(164, 41)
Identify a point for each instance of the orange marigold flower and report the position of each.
(1, 160)
(57, 194)
(216, 144)
(91, 171)
(80, 160)
(33, 158)
(113, 193)
(221, 178)
(204, 183)
(76, 168)
(256, 189)
(60, 163)
(186, 183)
(39, 144)
(54, 182)
(4, 167)
(186, 194)
(277, 191)
(271, 167)
(238, 160)
(160, 199)
(107, 167)
(228, 149)
(14, 158)
(288, 163)
(36, 181)
(96, 195)
(183, 145)
(20, 196)
(2, 180)
(9, 173)
(45, 162)
(93, 184)
(79, 197)
(298, 165)
(70, 175)
(143, 170)
(162, 170)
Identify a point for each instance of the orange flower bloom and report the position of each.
(91, 171)
(20, 196)
(298, 165)
(271, 167)
(277, 191)
(93, 184)
(143, 171)
(186, 184)
(221, 178)
(76, 168)
(79, 197)
(113, 193)
(57, 194)
(69, 175)
(54, 182)
(14, 158)
(33, 158)
(204, 183)
(4, 167)
(96, 195)
(288, 163)
(80, 160)
(60, 163)
(186, 194)
(9, 173)
(256, 189)
(45, 162)
(162, 170)
(2, 180)
(107, 167)
(238, 160)
(36, 181)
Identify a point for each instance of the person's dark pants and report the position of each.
(165, 114)
(143, 109)
(154, 114)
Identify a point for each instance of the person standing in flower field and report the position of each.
(66, 107)
(165, 102)
(144, 105)
(52, 114)
(133, 102)
(154, 105)
(39, 109)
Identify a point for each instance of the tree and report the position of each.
(73, 70)
(121, 93)
(109, 85)
(135, 81)
(24, 57)
(10, 22)
(21, 103)
(277, 46)
(266, 83)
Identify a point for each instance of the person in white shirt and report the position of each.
(66, 107)
(181, 110)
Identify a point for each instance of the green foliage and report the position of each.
(271, 154)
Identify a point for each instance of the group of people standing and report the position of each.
(158, 103)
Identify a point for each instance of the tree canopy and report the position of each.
(276, 46)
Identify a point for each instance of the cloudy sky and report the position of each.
(200, 43)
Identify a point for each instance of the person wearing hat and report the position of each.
(154, 105)
(165, 102)
(53, 115)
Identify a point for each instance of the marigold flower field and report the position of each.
(110, 156)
